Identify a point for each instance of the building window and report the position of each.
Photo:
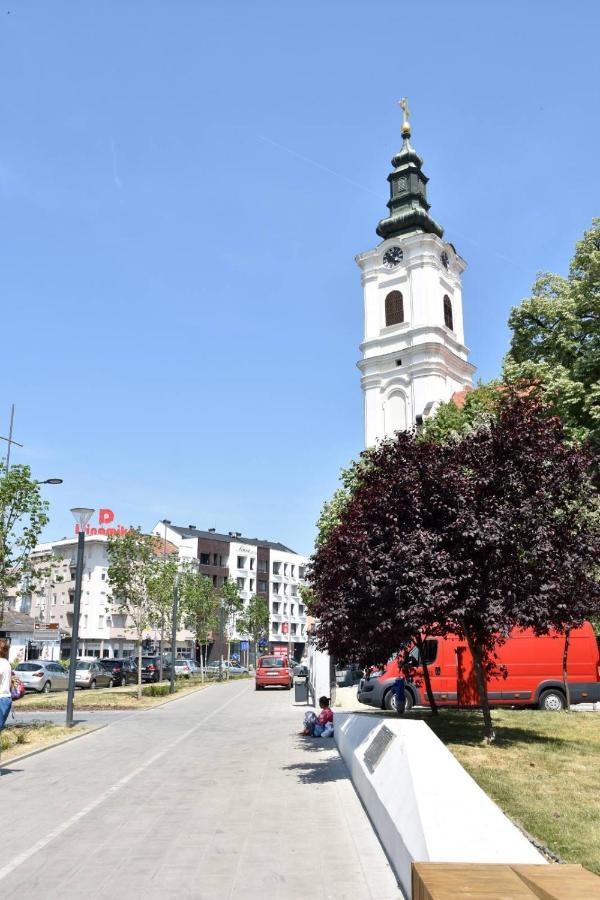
(276, 568)
(394, 308)
(104, 576)
(262, 587)
(241, 562)
(275, 609)
(252, 584)
(294, 590)
(293, 627)
(293, 570)
(214, 580)
(448, 317)
(275, 627)
(251, 563)
(240, 583)
(302, 572)
(275, 587)
(263, 565)
(215, 559)
(285, 568)
(205, 559)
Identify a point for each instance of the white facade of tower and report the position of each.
(410, 367)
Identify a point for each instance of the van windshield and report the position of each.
(272, 662)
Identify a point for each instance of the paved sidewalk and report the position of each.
(212, 796)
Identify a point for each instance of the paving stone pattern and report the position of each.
(212, 796)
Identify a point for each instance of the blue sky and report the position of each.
(183, 189)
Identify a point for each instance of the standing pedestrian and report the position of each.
(399, 695)
(5, 681)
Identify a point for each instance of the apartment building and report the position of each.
(104, 630)
(265, 568)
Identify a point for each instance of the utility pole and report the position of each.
(174, 632)
(162, 618)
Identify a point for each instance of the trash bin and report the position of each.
(301, 690)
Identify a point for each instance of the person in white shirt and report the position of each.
(5, 676)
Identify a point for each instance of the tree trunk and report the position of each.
(201, 657)
(488, 725)
(564, 666)
(428, 689)
(139, 668)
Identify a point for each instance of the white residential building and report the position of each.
(104, 630)
(265, 568)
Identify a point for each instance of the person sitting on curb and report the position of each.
(315, 725)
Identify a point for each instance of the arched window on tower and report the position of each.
(394, 308)
(448, 317)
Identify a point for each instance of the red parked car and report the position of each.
(273, 670)
(529, 673)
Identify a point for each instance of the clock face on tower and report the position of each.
(392, 257)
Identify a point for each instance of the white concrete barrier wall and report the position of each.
(423, 805)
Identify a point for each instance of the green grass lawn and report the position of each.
(114, 698)
(107, 698)
(19, 739)
(543, 771)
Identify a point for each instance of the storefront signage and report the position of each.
(105, 519)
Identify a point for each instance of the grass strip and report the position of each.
(21, 740)
(542, 771)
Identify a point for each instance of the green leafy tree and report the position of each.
(232, 605)
(556, 341)
(23, 515)
(161, 586)
(133, 569)
(451, 422)
(200, 609)
(254, 620)
(333, 510)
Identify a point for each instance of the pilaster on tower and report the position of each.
(414, 356)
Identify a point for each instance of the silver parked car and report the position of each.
(90, 674)
(182, 668)
(43, 676)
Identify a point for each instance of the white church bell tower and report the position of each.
(414, 355)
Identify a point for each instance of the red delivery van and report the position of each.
(529, 672)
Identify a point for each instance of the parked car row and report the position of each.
(43, 676)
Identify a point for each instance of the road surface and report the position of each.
(212, 796)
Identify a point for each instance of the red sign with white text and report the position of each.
(105, 518)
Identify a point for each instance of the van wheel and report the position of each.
(389, 702)
(552, 700)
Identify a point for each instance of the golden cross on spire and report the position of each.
(403, 104)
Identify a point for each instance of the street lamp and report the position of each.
(51, 481)
(82, 516)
